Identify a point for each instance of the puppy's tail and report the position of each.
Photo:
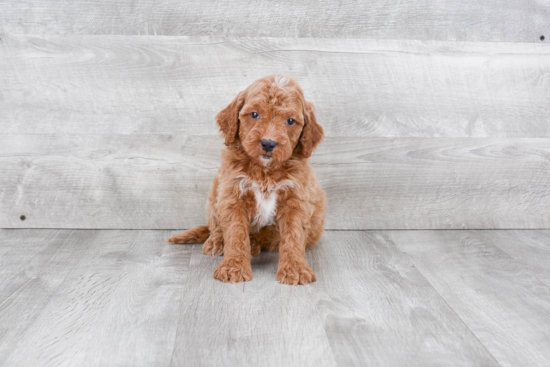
(194, 235)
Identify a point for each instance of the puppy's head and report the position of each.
(272, 120)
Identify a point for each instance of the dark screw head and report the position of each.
(22, 217)
(542, 38)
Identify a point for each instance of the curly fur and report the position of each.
(259, 199)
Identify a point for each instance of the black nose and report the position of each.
(268, 145)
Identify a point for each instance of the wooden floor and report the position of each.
(392, 298)
(437, 142)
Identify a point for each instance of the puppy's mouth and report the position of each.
(266, 157)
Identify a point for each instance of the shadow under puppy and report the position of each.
(265, 195)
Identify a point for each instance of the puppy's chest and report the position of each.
(266, 198)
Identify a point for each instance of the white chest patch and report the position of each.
(266, 200)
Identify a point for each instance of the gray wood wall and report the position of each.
(437, 115)
(449, 20)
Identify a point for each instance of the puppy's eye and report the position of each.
(255, 115)
(290, 122)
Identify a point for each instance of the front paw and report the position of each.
(233, 271)
(295, 272)
(213, 246)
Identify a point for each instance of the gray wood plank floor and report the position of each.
(383, 298)
(496, 20)
(488, 288)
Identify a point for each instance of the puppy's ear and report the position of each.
(312, 134)
(228, 119)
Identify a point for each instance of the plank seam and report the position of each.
(446, 303)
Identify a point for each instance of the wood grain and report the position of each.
(370, 88)
(33, 265)
(529, 247)
(467, 20)
(116, 307)
(369, 306)
(256, 323)
(162, 181)
(500, 298)
(106, 181)
(382, 298)
(435, 183)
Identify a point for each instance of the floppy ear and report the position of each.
(312, 134)
(228, 119)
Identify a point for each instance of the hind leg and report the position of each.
(317, 221)
(214, 244)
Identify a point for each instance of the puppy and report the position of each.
(265, 195)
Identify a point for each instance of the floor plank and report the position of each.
(369, 88)
(378, 310)
(497, 20)
(132, 300)
(33, 265)
(162, 181)
(256, 323)
(117, 306)
(370, 306)
(501, 298)
(530, 247)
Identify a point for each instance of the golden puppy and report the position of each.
(265, 194)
